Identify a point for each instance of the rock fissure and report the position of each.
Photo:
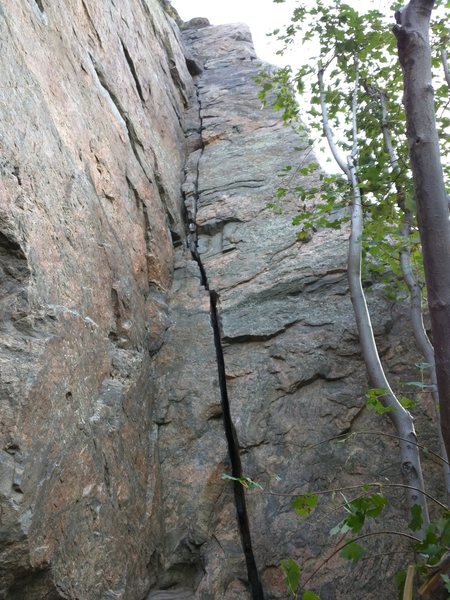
(91, 23)
(260, 337)
(40, 5)
(135, 142)
(254, 581)
(133, 71)
(258, 183)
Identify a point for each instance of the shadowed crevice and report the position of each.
(135, 142)
(40, 6)
(133, 72)
(255, 585)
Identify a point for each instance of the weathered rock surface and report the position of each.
(92, 150)
(111, 430)
(295, 375)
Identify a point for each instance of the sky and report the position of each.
(261, 15)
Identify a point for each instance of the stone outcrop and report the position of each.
(294, 373)
(92, 152)
(136, 170)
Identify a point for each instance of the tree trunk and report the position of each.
(401, 418)
(415, 291)
(412, 32)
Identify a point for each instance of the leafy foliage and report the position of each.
(358, 511)
(292, 575)
(446, 580)
(308, 595)
(304, 505)
(374, 402)
(291, 571)
(416, 521)
(352, 551)
(340, 34)
(436, 542)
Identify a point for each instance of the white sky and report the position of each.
(261, 15)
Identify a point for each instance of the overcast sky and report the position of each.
(261, 15)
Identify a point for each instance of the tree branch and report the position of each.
(340, 160)
(444, 59)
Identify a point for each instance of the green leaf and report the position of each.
(375, 504)
(227, 477)
(400, 579)
(292, 575)
(423, 365)
(275, 207)
(407, 403)
(431, 546)
(310, 596)
(416, 518)
(445, 530)
(373, 401)
(341, 527)
(352, 551)
(304, 505)
(376, 391)
(359, 509)
(304, 236)
(253, 485)
(355, 522)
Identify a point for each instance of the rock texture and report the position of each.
(111, 422)
(294, 372)
(92, 152)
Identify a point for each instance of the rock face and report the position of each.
(293, 368)
(92, 101)
(112, 436)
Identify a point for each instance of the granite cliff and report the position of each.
(135, 170)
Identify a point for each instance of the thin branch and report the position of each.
(444, 59)
(361, 485)
(387, 133)
(354, 153)
(340, 160)
(382, 433)
(357, 539)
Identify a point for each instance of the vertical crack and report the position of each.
(91, 23)
(133, 71)
(120, 112)
(255, 585)
(40, 6)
